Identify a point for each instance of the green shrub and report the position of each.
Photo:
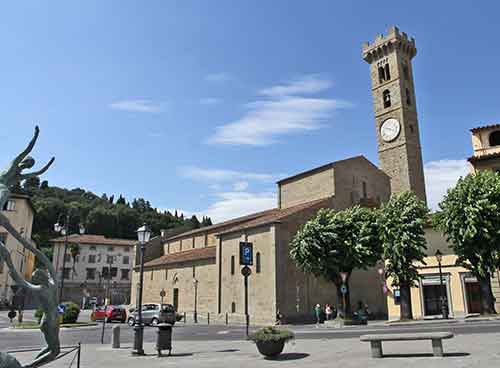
(39, 314)
(71, 312)
(272, 334)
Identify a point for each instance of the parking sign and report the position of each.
(246, 254)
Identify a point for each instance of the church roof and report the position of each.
(325, 167)
(276, 215)
(486, 156)
(196, 254)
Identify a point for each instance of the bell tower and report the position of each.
(398, 137)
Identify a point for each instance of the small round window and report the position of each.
(495, 138)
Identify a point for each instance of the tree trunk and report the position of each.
(487, 299)
(405, 301)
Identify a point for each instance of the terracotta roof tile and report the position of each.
(196, 254)
(476, 129)
(276, 215)
(486, 156)
(94, 239)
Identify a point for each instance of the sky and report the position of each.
(202, 106)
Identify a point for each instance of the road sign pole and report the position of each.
(246, 305)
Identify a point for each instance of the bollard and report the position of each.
(208, 318)
(226, 319)
(116, 337)
(184, 317)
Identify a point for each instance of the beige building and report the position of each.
(486, 146)
(88, 274)
(201, 267)
(19, 210)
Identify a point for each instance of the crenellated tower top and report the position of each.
(383, 45)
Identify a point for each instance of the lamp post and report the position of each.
(143, 234)
(64, 230)
(444, 306)
(195, 283)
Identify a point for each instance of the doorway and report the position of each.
(472, 295)
(432, 293)
(176, 299)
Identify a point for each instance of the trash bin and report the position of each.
(164, 338)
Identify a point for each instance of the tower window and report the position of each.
(408, 97)
(495, 138)
(384, 73)
(365, 195)
(233, 307)
(232, 265)
(411, 128)
(387, 72)
(386, 96)
(257, 262)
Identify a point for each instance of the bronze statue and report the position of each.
(43, 283)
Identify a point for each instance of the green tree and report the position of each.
(470, 220)
(401, 225)
(333, 242)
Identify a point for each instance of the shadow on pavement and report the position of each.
(228, 351)
(424, 355)
(289, 356)
(179, 355)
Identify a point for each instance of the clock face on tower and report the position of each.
(390, 129)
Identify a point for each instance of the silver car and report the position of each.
(153, 314)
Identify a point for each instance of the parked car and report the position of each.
(110, 313)
(153, 314)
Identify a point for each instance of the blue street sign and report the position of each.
(343, 289)
(61, 308)
(246, 254)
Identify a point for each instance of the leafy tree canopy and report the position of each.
(337, 241)
(401, 224)
(470, 219)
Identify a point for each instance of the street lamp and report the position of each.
(444, 306)
(64, 230)
(143, 235)
(195, 283)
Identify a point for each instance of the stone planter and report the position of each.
(271, 348)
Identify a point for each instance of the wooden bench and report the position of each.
(435, 337)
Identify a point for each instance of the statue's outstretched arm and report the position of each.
(4, 221)
(5, 255)
(39, 172)
(28, 149)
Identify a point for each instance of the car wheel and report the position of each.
(154, 322)
(131, 321)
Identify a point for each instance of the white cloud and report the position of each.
(210, 101)
(307, 84)
(218, 77)
(240, 186)
(148, 106)
(440, 176)
(234, 204)
(280, 114)
(221, 175)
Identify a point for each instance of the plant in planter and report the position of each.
(270, 341)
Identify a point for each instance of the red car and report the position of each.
(110, 313)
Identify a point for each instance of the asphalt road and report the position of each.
(16, 339)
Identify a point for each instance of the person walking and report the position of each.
(328, 312)
(317, 311)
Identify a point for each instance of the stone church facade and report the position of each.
(201, 267)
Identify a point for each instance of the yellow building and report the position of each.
(19, 210)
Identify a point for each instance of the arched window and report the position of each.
(232, 265)
(495, 138)
(386, 96)
(408, 97)
(257, 263)
(387, 72)
(381, 74)
(233, 307)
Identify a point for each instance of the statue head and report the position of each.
(27, 163)
(40, 277)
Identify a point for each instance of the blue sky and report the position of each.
(202, 106)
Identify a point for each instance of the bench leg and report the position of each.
(437, 347)
(376, 349)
